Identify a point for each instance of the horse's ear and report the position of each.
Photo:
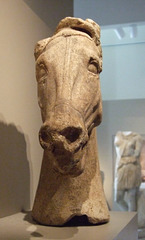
(40, 47)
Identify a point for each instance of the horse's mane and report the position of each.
(87, 26)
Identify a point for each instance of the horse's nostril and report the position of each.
(44, 135)
(71, 133)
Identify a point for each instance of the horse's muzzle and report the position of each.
(65, 136)
(70, 139)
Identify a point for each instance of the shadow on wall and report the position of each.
(14, 171)
(51, 12)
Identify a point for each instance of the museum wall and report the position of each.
(123, 58)
(124, 115)
(23, 23)
(123, 71)
(110, 12)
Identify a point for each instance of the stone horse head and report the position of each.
(67, 70)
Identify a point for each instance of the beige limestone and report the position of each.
(67, 71)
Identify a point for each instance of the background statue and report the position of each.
(128, 169)
(67, 71)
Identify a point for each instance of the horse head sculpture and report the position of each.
(67, 70)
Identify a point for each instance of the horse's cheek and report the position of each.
(93, 84)
(42, 100)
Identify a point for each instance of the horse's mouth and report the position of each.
(71, 167)
(67, 162)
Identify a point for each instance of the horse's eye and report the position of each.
(41, 74)
(93, 66)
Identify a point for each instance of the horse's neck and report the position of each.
(92, 161)
(92, 144)
(60, 197)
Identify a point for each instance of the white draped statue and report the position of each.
(128, 169)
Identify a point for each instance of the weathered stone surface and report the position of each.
(67, 71)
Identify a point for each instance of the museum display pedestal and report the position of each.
(122, 226)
